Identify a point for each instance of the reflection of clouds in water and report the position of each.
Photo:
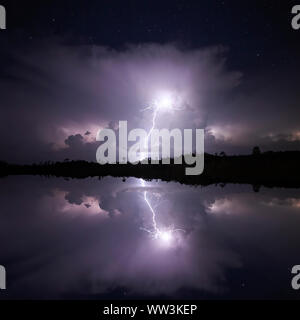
(87, 205)
(91, 255)
(220, 206)
(244, 203)
(148, 267)
(230, 205)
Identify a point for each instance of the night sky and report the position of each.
(71, 67)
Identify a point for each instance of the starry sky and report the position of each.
(69, 68)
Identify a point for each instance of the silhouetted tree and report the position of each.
(256, 151)
(222, 154)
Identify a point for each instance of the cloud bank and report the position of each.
(53, 94)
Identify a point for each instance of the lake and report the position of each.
(135, 239)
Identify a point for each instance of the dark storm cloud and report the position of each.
(53, 94)
(74, 141)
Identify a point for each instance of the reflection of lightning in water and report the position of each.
(155, 231)
(152, 211)
(166, 235)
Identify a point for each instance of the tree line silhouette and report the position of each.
(271, 169)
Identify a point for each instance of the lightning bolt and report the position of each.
(156, 106)
(146, 142)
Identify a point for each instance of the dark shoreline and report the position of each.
(269, 169)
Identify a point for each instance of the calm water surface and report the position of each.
(107, 239)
